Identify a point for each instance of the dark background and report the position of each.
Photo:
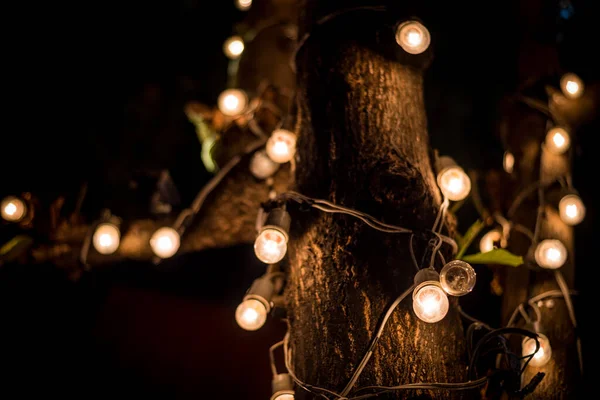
(95, 93)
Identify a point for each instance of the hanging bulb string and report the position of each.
(272, 356)
(439, 219)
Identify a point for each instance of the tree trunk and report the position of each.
(363, 144)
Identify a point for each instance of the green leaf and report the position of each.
(466, 240)
(14, 247)
(496, 256)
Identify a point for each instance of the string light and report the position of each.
(271, 243)
(232, 102)
(458, 278)
(262, 166)
(233, 47)
(165, 242)
(544, 353)
(550, 254)
(281, 146)
(106, 238)
(252, 312)
(13, 209)
(282, 387)
(508, 162)
(489, 240)
(571, 209)
(243, 5)
(558, 140)
(413, 37)
(571, 86)
(452, 179)
(430, 302)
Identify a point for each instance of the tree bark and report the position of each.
(363, 144)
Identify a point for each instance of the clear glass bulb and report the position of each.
(270, 245)
(550, 254)
(281, 146)
(165, 242)
(509, 162)
(558, 140)
(413, 37)
(571, 86)
(243, 4)
(232, 102)
(251, 314)
(106, 238)
(13, 209)
(489, 240)
(284, 396)
(454, 183)
(544, 353)
(261, 165)
(233, 47)
(457, 278)
(571, 209)
(430, 302)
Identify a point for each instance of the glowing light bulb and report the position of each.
(165, 242)
(106, 238)
(430, 303)
(488, 241)
(509, 162)
(571, 86)
(251, 314)
(243, 4)
(12, 209)
(271, 245)
(454, 183)
(457, 278)
(283, 396)
(413, 37)
(281, 146)
(261, 165)
(232, 102)
(571, 209)
(550, 254)
(544, 353)
(558, 140)
(233, 47)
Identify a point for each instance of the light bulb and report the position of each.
(413, 37)
(430, 303)
(550, 254)
(271, 245)
(165, 242)
(571, 209)
(457, 278)
(281, 146)
(106, 238)
(232, 102)
(544, 353)
(454, 183)
(261, 165)
(488, 241)
(233, 47)
(509, 162)
(243, 4)
(558, 140)
(251, 314)
(13, 209)
(571, 86)
(283, 396)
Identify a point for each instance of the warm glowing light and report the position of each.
(489, 240)
(261, 165)
(233, 47)
(544, 353)
(413, 37)
(13, 209)
(558, 140)
(457, 278)
(508, 162)
(283, 396)
(251, 314)
(571, 209)
(430, 303)
(271, 245)
(243, 4)
(550, 254)
(281, 146)
(232, 102)
(571, 86)
(165, 242)
(454, 183)
(106, 238)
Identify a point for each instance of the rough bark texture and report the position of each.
(363, 144)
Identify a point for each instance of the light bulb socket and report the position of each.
(444, 162)
(280, 220)
(262, 289)
(282, 382)
(425, 275)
